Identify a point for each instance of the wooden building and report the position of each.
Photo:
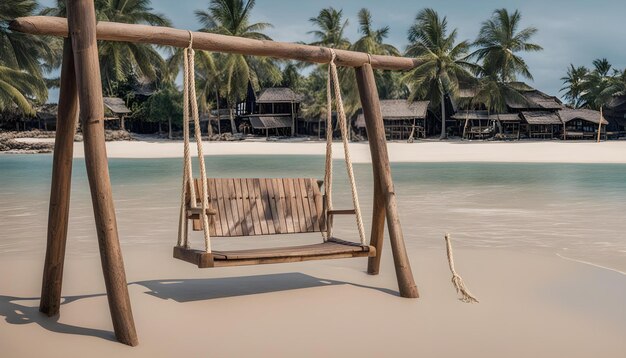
(615, 113)
(583, 123)
(533, 115)
(273, 111)
(481, 124)
(541, 124)
(115, 109)
(402, 119)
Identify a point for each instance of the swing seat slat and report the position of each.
(331, 249)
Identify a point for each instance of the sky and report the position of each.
(570, 31)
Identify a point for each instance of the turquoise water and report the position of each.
(575, 210)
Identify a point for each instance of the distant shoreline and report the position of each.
(421, 151)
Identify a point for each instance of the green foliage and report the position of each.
(330, 29)
(498, 43)
(574, 82)
(18, 88)
(232, 17)
(166, 104)
(443, 60)
(118, 60)
(21, 60)
(594, 88)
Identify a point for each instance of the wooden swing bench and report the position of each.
(266, 206)
(258, 212)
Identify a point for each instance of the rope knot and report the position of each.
(190, 40)
(333, 55)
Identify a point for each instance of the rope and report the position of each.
(341, 116)
(187, 174)
(457, 281)
(198, 135)
(328, 169)
(190, 106)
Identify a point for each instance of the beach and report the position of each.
(433, 151)
(530, 305)
(536, 243)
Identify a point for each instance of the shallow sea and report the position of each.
(577, 211)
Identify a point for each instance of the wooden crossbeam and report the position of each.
(159, 35)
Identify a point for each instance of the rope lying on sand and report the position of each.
(457, 281)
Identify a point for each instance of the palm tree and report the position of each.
(18, 88)
(494, 94)
(232, 17)
(598, 86)
(21, 51)
(21, 75)
(443, 61)
(499, 41)
(617, 84)
(120, 60)
(331, 26)
(574, 82)
(372, 42)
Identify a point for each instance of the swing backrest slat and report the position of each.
(262, 206)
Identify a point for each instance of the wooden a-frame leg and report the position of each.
(378, 225)
(82, 30)
(58, 212)
(382, 170)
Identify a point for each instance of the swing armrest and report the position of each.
(341, 212)
(194, 213)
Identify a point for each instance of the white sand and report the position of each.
(421, 151)
(530, 306)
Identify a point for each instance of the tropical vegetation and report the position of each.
(492, 63)
(22, 58)
(443, 61)
(595, 87)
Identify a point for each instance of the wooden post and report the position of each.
(59, 208)
(386, 197)
(82, 28)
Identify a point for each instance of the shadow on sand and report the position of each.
(187, 290)
(25, 310)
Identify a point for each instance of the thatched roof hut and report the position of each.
(535, 100)
(116, 105)
(568, 115)
(279, 95)
(398, 109)
(485, 115)
(541, 118)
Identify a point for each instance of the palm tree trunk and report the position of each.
(444, 135)
(465, 125)
(209, 127)
(169, 127)
(219, 119)
(233, 127)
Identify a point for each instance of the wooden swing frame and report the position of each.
(81, 88)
